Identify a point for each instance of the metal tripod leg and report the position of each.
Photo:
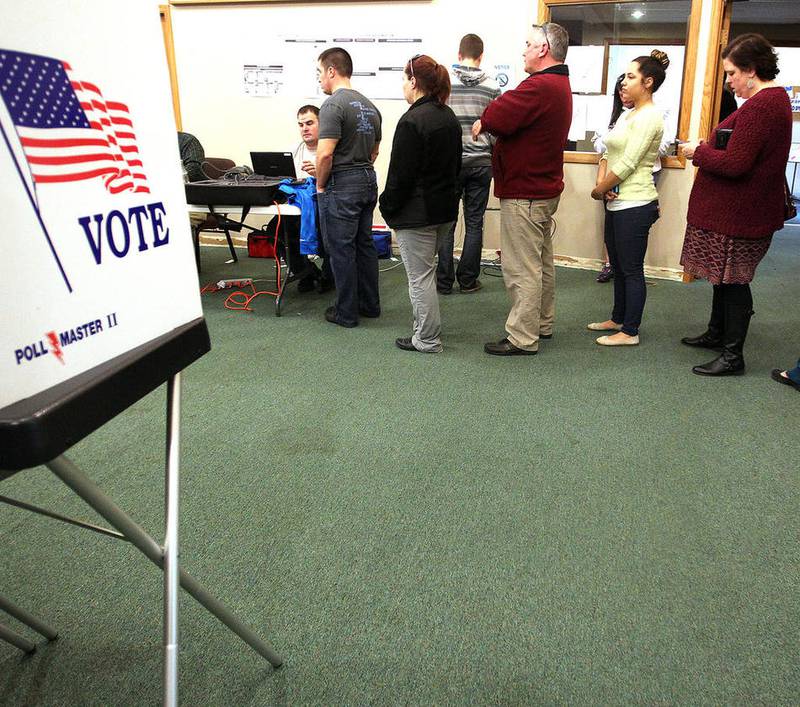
(92, 495)
(171, 567)
(84, 487)
(7, 635)
(28, 619)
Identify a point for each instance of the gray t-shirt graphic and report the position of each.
(351, 118)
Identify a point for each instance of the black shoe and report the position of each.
(324, 284)
(307, 284)
(545, 336)
(330, 316)
(721, 366)
(710, 339)
(405, 344)
(474, 287)
(505, 348)
(776, 376)
(731, 360)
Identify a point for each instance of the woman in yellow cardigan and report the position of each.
(625, 183)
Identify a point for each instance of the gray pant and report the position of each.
(418, 247)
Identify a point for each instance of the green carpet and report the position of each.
(587, 526)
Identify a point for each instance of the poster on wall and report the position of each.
(290, 65)
(96, 251)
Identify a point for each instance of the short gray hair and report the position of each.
(557, 39)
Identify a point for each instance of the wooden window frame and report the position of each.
(687, 85)
(266, 2)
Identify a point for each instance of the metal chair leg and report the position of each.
(230, 245)
(196, 238)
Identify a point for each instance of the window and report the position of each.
(779, 22)
(604, 38)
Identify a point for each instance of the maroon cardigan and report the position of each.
(531, 123)
(739, 191)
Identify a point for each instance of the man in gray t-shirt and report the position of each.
(347, 191)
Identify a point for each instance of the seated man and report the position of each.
(305, 155)
(192, 156)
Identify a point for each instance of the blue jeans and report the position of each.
(345, 219)
(626, 234)
(473, 186)
(794, 373)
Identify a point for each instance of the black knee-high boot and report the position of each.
(712, 337)
(731, 361)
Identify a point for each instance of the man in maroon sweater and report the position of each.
(531, 123)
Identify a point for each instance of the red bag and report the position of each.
(260, 245)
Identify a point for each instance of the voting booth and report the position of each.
(100, 295)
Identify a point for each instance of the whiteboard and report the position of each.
(96, 252)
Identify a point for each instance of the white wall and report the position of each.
(213, 42)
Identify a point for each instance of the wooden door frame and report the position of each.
(166, 27)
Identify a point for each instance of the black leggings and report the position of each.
(734, 294)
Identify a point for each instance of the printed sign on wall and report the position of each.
(96, 252)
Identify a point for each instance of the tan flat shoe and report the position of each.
(601, 326)
(608, 341)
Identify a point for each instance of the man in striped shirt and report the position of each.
(471, 91)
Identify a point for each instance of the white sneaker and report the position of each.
(628, 341)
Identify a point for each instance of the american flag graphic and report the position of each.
(68, 130)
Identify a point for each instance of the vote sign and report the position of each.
(95, 253)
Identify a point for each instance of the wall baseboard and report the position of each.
(564, 261)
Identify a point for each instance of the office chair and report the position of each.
(214, 168)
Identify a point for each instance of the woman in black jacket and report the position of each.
(420, 201)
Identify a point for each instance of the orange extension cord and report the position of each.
(240, 301)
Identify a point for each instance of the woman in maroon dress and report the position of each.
(737, 198)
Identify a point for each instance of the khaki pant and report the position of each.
(528, 270)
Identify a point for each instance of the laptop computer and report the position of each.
(273, 164)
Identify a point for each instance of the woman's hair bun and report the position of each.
(660, 57)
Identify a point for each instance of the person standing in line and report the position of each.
(737, 200)
(531, 124)
(606, 273)
(625, 183)
(471, 90)
(347, 190)
(420, 201)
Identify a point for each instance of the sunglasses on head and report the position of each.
(544, 34)
(411, 63)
